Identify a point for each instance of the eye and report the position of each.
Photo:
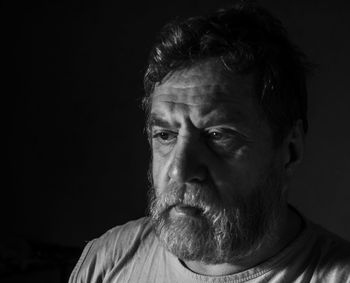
(164, 137)
(215, 135)
(218, 135)
(224, 137)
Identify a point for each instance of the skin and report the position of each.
(207, 127)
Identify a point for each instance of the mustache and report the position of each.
(200, 196)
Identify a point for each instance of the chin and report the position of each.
(186, 237)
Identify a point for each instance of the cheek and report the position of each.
(159, 172)
(239, 175)
(155, 169)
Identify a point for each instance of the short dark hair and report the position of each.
(247, 39)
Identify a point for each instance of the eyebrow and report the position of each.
(156, 120)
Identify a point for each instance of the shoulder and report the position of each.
(117, 245)
(332, 246)
(118, 240)
(333, 254)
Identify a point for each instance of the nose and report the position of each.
(187, 164)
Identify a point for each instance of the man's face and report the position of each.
(217, 184)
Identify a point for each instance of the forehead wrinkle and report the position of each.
(220, 115)
(195, 95)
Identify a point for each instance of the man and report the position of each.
(226, 106)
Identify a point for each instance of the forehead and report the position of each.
(206, 86)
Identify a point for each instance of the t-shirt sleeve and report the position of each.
(111, 251)
(76, 275)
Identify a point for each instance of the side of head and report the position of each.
(247, 39)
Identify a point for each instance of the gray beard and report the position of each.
(222, 232)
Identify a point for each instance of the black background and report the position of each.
(72, 84)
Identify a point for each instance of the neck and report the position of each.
(288, 228)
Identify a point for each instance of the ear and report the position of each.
(294, 148)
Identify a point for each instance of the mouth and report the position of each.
(185, 210)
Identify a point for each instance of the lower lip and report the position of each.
(186, 210)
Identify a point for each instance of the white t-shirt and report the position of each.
(132, 253)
